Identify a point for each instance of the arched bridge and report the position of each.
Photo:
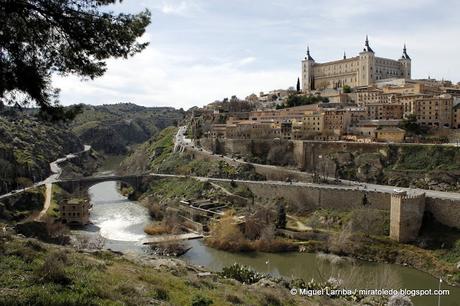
(82, 184)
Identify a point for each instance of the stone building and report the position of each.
(390, 134)
(435, 111)
(362, 70)
(456, 117)
(75, 211)
(378, 111)
(336, 121)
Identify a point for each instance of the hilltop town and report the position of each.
(343, 189)
(360, 99)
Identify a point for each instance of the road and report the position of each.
(55, 173)
(345, 184)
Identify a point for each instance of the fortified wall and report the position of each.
(406, 211)
(305, 155)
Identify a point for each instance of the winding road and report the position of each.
(48, 182)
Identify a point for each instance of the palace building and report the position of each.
(362, 70)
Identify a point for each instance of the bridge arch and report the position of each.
(80, 185)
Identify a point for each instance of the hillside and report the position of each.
(156, 155)
(112, 129)
(27, 146)
(36, 273)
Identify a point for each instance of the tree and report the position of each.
(281, 217)
(411, 125)
(298, 84)
(346, 89)
(39, 38)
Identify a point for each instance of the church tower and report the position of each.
(405, 61)
(308, 78)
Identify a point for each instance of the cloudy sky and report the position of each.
(203, 50)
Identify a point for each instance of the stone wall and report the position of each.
(312, 197)
(445, 211)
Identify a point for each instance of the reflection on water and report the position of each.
(122, 221)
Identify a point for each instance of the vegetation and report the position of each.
(346, 89)
(22, 205)
(410, 125)
(68, 37)
(241, 273)
(112, 129)
(421, 166)
(161, 159)
(258, 233)
(363, 234)
(170, 224)
(27, 147)
(32, 272)
(298, 100)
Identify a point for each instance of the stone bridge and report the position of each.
(82, 184)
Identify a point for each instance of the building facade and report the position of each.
(362, 70)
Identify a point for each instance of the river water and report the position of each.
(121, 222)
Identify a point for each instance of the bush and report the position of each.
(156, 211)
(161, 294)
(241, 273)
(157, 229)
(53, 269)
(199, 300)
(226, 235)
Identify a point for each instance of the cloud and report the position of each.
(165, 78)
(182, 8)
(206, 50)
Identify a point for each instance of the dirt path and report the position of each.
(46, 206)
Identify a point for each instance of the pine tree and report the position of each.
(281, 217)
(298, 84)
(39, 38)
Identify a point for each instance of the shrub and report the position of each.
(234, 299)
(269, 298)
(157, 229)
(53, 269)
(86, 242)
(226, 235)
(156, 211)
(161, 294)
(199, 300)
(241, 273)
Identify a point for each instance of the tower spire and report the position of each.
(344, 55)
(308, 57)
(367, 48)
(405, 55)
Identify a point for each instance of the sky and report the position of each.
(205, 50)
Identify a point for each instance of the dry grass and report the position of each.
(157, 229)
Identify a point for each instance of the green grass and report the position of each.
(40, 274)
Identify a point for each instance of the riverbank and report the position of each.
(56, 275)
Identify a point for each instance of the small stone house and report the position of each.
(75, 211)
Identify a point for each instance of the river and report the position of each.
(121, 222)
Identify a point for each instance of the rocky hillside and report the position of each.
(156, 155)
(27, 146)
(426, 167)
(112, 129)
